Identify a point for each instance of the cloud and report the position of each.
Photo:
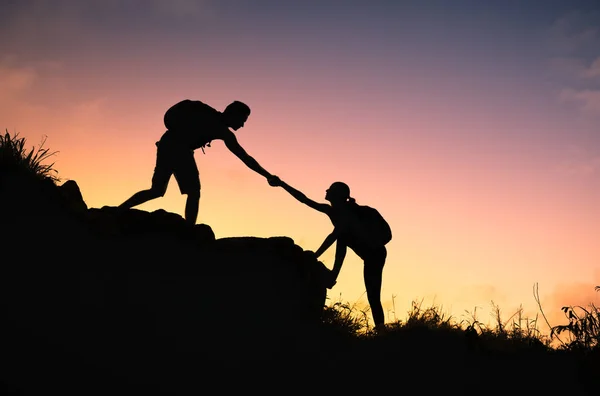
(19, 79)
(90, 112)
(575, 65)
(582, 167)
(579, 161)
(67, 15)
(43, 89)
(16, 82)
(16, 79)
(575, 32)
(587, 99)
(67, 28)
(567, 67)
(593, 70)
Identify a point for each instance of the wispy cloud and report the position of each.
(13, 81)
(16, 79)
(575, 65)
(62, 15)
(68, 28)
(582, 167)
(593, 70)
(567, 67)
(29, 88)
(575, 32)
(91, 111)
(587, 99)
(19, 79)
(575, 68)
(580, 162)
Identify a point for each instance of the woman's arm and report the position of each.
(340, 255)
(326, 243)
(324, 208)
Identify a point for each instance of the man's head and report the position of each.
(236, 114)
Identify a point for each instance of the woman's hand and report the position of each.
(274, 181)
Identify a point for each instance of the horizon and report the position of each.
(472, 128)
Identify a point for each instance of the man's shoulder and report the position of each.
(223, 133)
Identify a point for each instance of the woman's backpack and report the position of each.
(373, 225)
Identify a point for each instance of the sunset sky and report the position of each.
(473, 126)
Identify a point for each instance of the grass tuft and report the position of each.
(15, 157)
(582, 329)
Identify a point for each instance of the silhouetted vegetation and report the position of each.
(582, 329)
(14, 157)
(572, 346)
(581, 332)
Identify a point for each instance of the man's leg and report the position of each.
(160, 181)
(188, 179)
(192, 205)
(140, 197)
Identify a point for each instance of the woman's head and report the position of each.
(338, 192)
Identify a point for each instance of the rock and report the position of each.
(128, 296)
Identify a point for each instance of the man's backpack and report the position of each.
(188, 118)
(373, 225)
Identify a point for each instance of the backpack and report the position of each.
(374, 225)
(187, 119)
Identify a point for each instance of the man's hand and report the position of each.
(274, 181)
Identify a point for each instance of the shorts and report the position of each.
(178, 162)
(372, 256)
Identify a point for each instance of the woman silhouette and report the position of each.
(348, 232)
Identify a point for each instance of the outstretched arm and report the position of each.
(276, 181)
(233, 145)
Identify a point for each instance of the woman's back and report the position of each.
(354, 229)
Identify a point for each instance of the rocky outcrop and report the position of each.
(135, 297)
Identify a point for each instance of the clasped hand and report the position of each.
(274, 181)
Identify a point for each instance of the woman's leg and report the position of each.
(373, 274)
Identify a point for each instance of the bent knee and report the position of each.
(157, 192)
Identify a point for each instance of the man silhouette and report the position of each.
(192, 124)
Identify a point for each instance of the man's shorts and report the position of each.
(179, 163)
